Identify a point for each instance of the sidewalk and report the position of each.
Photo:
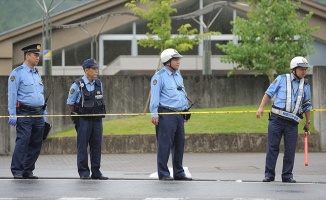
(202, 166)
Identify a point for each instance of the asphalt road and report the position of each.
(73, 189)
(236, 176)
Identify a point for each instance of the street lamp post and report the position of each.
(46, 35)
(47, 54)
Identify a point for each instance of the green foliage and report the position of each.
(157, 13)
(267, 39)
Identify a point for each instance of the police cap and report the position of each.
(33, 48)
(91, 62)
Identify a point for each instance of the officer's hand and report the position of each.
(306, 127)
(260, 112)
(12, 121)
(155, 120)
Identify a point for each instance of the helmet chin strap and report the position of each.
(171, 66)
(295, 73)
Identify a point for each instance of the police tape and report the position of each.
(166, 113)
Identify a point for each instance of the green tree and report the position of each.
(271, 36)
(158, 12)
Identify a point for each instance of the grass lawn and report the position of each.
(235, 119)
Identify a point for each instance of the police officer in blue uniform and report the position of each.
(292, 99)
(26, 97)
(168, 95)
(86, 98)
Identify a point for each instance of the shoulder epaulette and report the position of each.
(18, 68)
(160, 71)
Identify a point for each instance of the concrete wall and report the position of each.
(229, 142)
(128, 94)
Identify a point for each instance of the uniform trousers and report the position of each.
(170, 135)
(277, 128)
(28, 142)
(89, 133)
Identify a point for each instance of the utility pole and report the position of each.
(47, 50)
(46, 35)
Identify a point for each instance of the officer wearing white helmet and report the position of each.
(168, 94)
(292, 100)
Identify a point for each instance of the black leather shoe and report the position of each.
(268, 179)
(289, 180)
(18, 176)
(85, 177)
(183, 178)
(100, 177)
(167, 178)
(29, 176)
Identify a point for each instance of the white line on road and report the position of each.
(79, 198)
(187, 172)
(165, 199)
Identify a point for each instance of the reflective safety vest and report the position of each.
(289, 113)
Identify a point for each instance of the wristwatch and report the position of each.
(308, 122)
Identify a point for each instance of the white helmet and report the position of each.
(167, 54)
(299, 61)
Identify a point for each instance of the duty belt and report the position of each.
(170, 109)
(31, 108)
(286, 114)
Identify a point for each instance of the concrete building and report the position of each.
(108, 31)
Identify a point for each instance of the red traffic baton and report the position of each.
(306, 133)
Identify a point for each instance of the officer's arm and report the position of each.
(308, 121)
(264, 101)
(73, 95)
(155, 95)
(13, 83)
(307, 107)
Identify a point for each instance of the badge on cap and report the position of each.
(38, 47)
(154, 82)
(12, 78)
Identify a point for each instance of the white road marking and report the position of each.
(78, 198)
(165, 199)
(252, 199)
(187, 172)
